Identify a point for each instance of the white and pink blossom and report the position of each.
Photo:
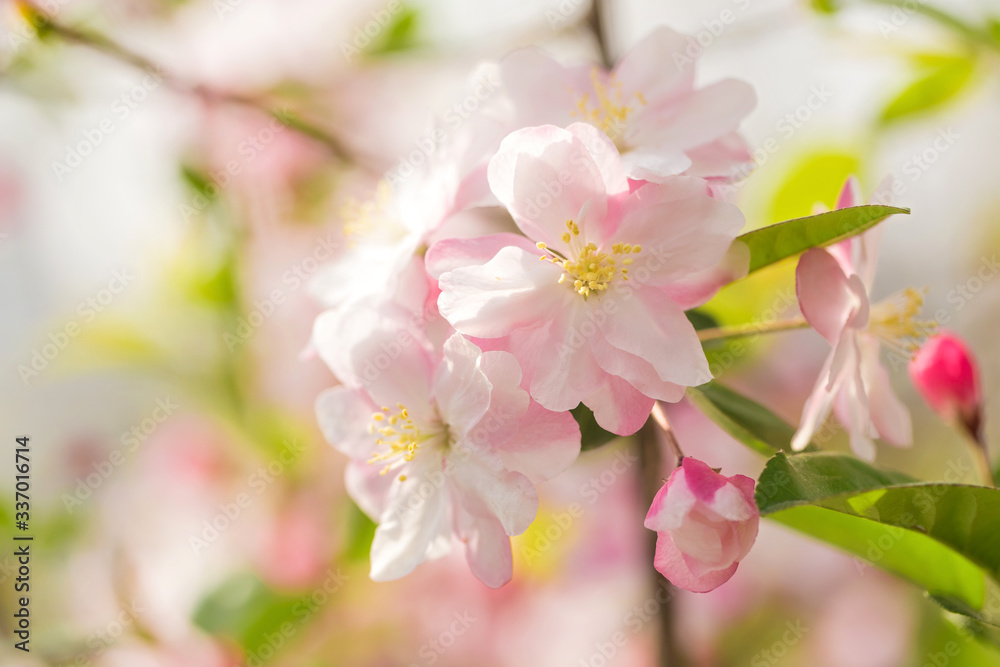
(444, 443)
(834, 286)
(599, 317)
(648, 104)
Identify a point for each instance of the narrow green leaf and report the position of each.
(746, 420)
(785, 239)
(943, 537)
(934, 88)
(592, 435)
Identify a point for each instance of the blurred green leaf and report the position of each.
(246, 610)
(360, 533)
(786, 239)
(592, 435)
(936, 85)
(824, 6)
(198, 182)
(945, 538)
(744, 419)
(401, 34)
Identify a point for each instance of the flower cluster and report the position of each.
(544, 259)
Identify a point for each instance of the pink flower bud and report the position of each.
(946, 374)
(705, 525)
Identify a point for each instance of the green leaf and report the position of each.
(244, 609)
(933, 88)
(401, 34)
(943, 537)
(785, 239)
(744, 419)
(592, 435)
(699, 319)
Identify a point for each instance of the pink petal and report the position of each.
(546, 444)
(367, 487)
(454, 253)
(850, 194)
(618, 406)
(820, 402)
(344, 416)
(670, 562)
(461, 389)
(654, 328)
(651, 68)
(565, 370)
(508, 401)
(414, 520)
(634, 370)
(697, 118)
(487, 548)
(681, 229)
(697, 288)
(656, 165)
(889, 415)
(486, 489)
(827, 298)
(546, 176)
(727, 157)
(512, 290)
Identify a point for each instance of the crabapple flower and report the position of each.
(833, 287)
(443, 442)
(600, 319)
(647, 104)
(705, 524)
(945, 373)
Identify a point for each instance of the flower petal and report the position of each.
(487, 548)
(461, 389)
(619, 407)
(654, 328)
(697, 288)
(545, 176)
(546, 443)
(484, 488)
(827, 297)
(411, 525)
(512, 290)
(449, 254)
(344, 416)
(670, 562)
(681, 229)
(889, 415)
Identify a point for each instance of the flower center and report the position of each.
(894, 321)
(363, 217)
(399, 435)
(592, 270)
(610, 110)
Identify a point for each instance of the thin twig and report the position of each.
(740, 330)
(48, 25)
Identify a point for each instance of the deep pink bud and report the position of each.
(705, 524)
(947, 376)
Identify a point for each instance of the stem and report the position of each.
(738, 330)
(651, 465)
(660, 417)
(982, 460)
(597, 20)
(48, 25)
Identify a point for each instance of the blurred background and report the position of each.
(157, 233)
